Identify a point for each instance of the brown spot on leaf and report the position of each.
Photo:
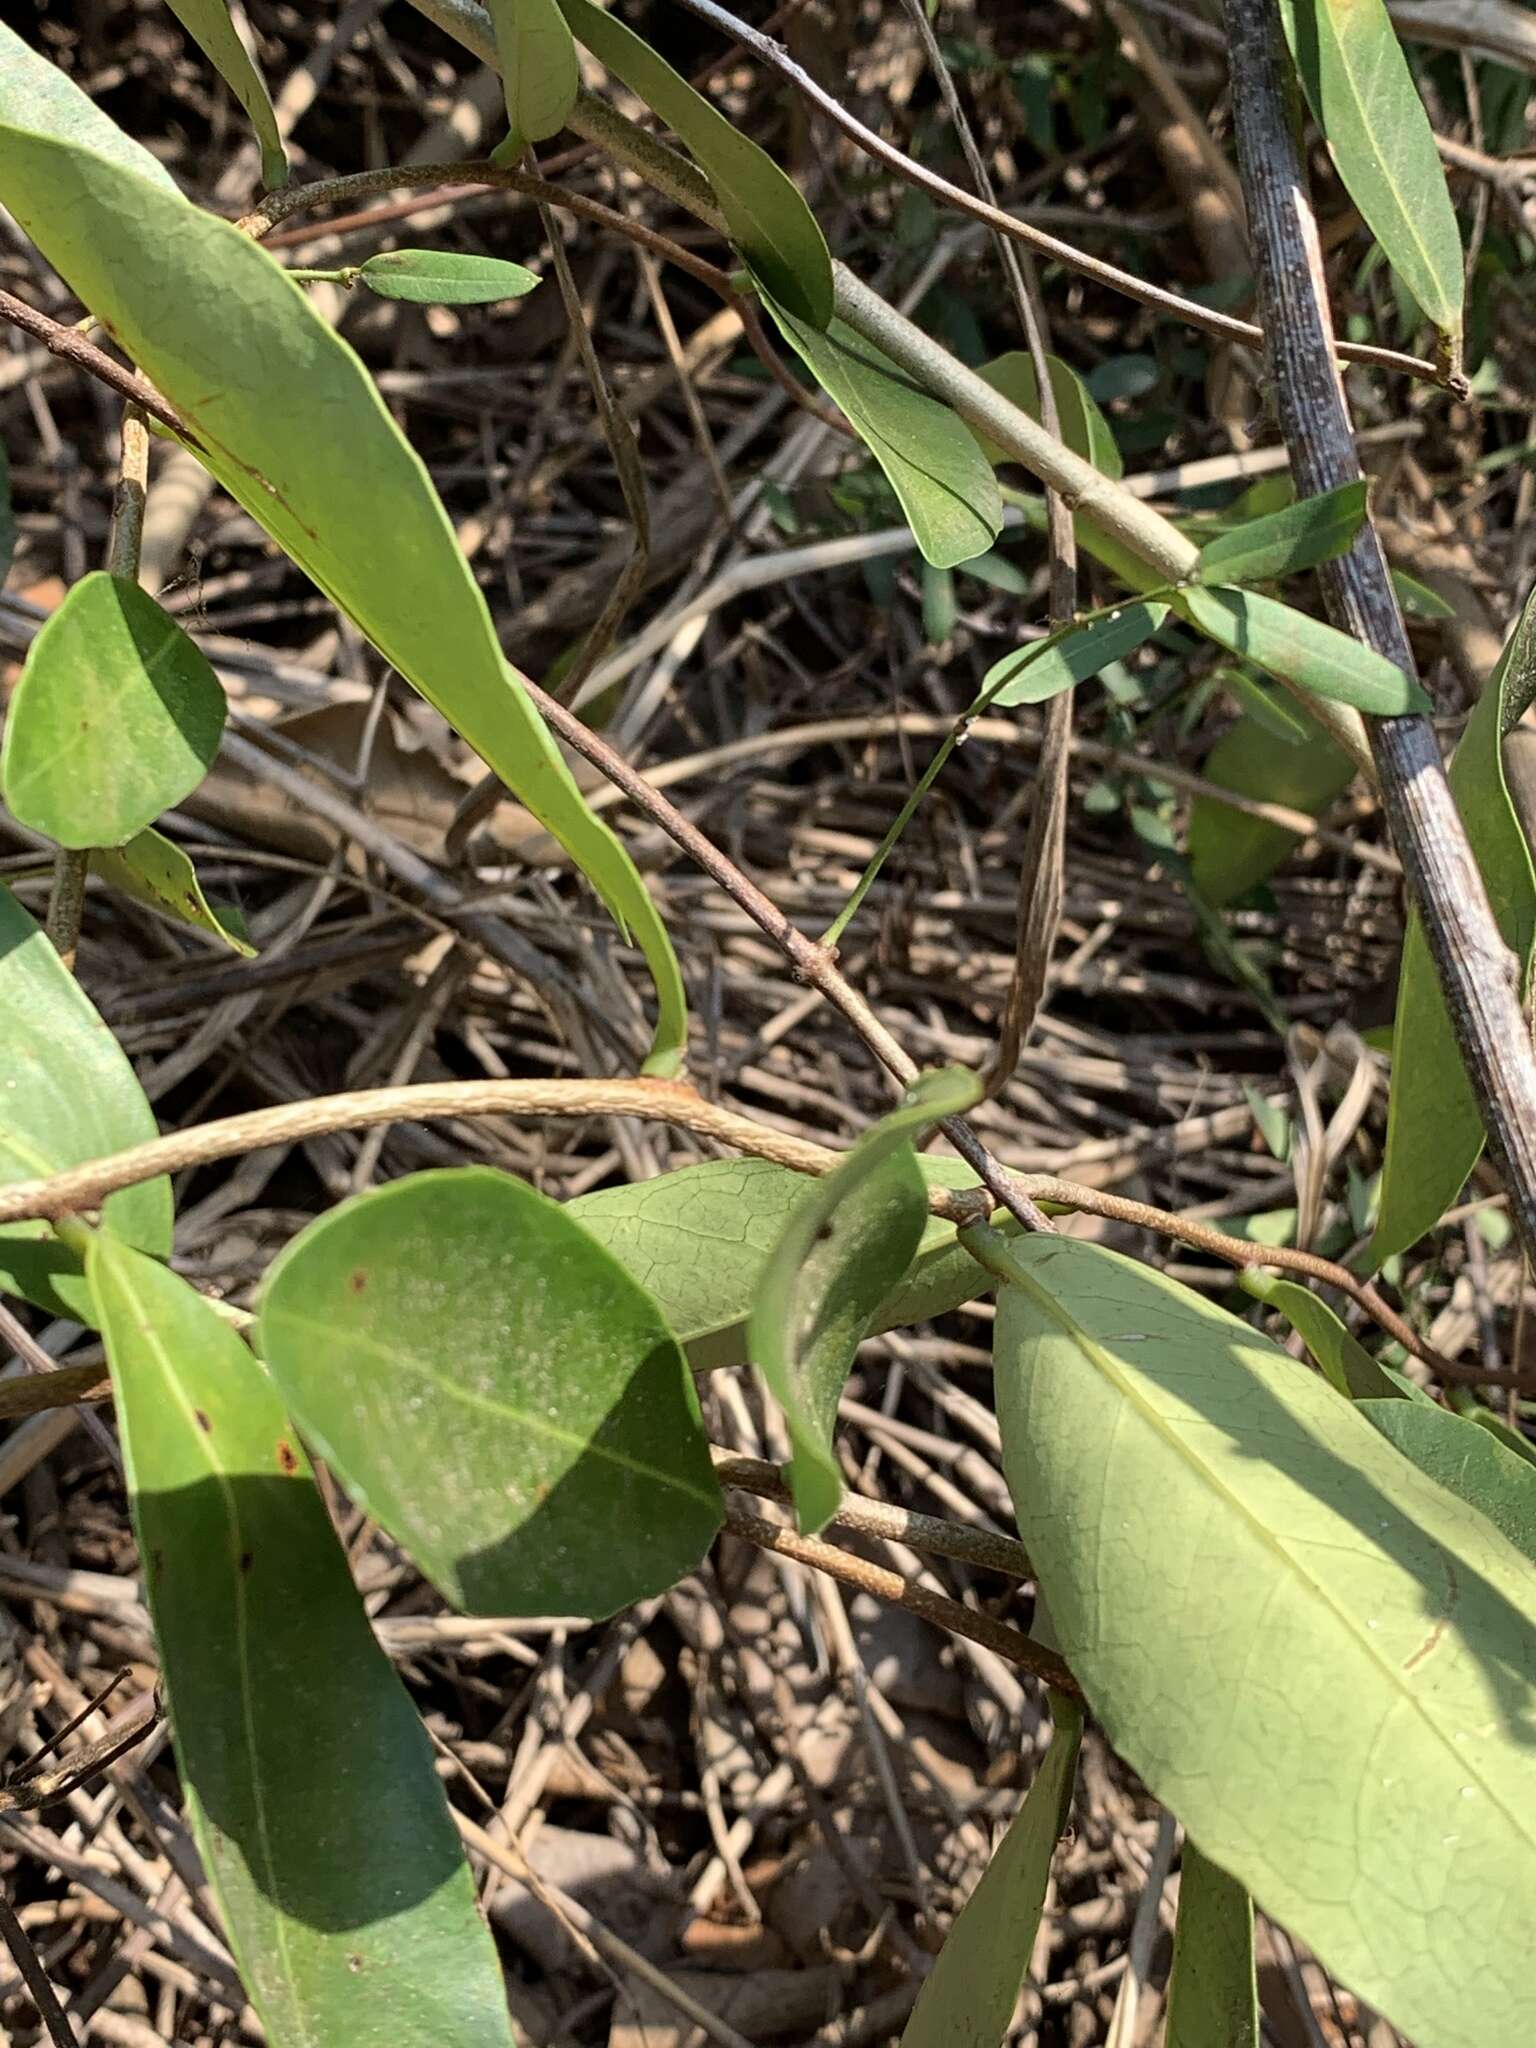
(357, 1280)
(200, 1417)
(355, 1964)
(287, 1457)
(246, 1560)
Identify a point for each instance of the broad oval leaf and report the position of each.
(445, 277)
(154, 871)
(272, 394)
(207, 22)
(1230, 852)
(764, 209)
(851, 1238)
(67, 1094)
(1470, 1462)
(1283, 543)
(53, 104)
(1434, 1128)
(497, 1391)
(930, 457)
(1213, 1992)
(1319, 1659)
(1303, 650)
(970, 1993)
(1363, 97)
(540, 71)
(117, 717)
(1032, 673)
(309, 1778)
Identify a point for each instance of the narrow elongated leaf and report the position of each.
(930, 458)
(764, 209)
(1229, 852)
(1323, 1662)
(540, 72)
(1306, 651)
(309, 1777)
(850, 1240)
(969, 1996)
(497, 1391)
(207, 22)
(1434, 1128)
(444, 277)
(56, 106)
(1363, 97)
(1346, 1364)
(1468, 1461)
(1213, 1994)
(1031, 674)
(288, 420)
(1285, 542)
(117, 716)
(1084, 428)
(67, 1094)
(153, 870)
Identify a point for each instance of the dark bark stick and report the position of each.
(1479, 976)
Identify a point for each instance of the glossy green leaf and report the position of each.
(852, 1236)
(1213, 1993)
(1031, 673)
(497, 1391)
(1282, 543)
(309, 1778)
(1434, 1129)
(289, 421)
(930, 458)
(153, 870)
(764, 209)
(444, 277)
(1230, 852)
(49, 101)
(1363, 97)
(1307, 652)
(969, 1995)
(1346, 1364)
(207, 22)
(540, 71)
(1084, 428)
(117, 717)
(7, 514)
(67, 1094)
(1468, 1461)
(1319, 1659)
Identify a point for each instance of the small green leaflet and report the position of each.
(1471, 1462)
(1345, 1363)
(443, 277)
(1301, 650)
(309, 1778)
(1283, 543)
(1434, 1130)
(931, 459)
(540, 71)
(1032, 673)
(1230, 852)
(207, 22)
(850, 1239)
(764, 209)
(1213, 1993)
(971, 1991)
(153, 870)
(1363, 97)
(117, 717)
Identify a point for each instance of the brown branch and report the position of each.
(70, 346)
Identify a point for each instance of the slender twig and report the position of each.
(72, 347)
(1479, 976)
(35, 1977)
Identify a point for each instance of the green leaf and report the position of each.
(1434, 1128)
(1229, 852)
(117, 716)
(207, 22)
(1213, 1994)
(1363, 97)
(1466, 1404)
(67, 1094)
(7, 514)
(764, 209)
(1304, 650)
(289, 421)
(309, 1778)
(497, 1391)
(971, 1991)
(153, 870)
(1084, 428)
(49, 101)
(1273, 1121)
(1317, 1658)
(930, 458)
(1032, 673)
(1418, 599)
(440, 277)
(1467, 1461)
(852, 1236)
(1346, 1364)
(1283, 543)
(540, 71)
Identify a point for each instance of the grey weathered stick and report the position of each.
(1478, 974)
